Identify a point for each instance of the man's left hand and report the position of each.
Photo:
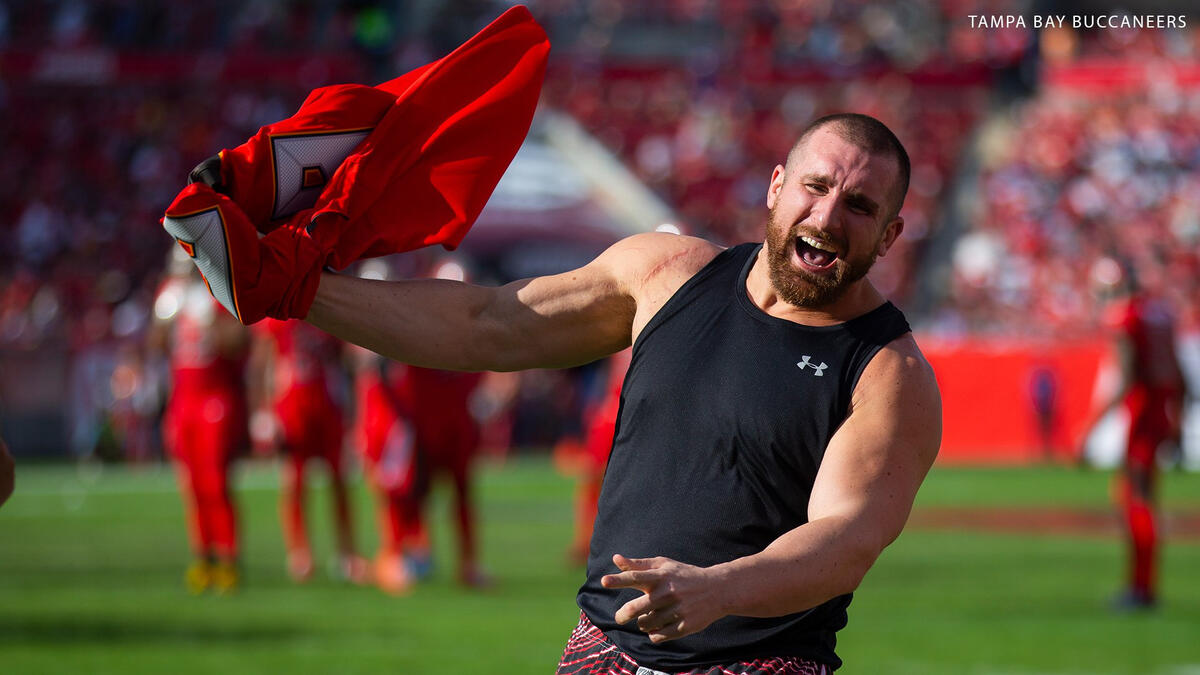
(677, 600)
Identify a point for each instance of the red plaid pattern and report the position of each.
(589, 652)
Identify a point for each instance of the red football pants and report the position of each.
(202, 433)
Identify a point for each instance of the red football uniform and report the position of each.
(384, 434)
(414, 423)
(439, 406)
(1152, 398)
(204, 424)
(311, 426)
(387, 443)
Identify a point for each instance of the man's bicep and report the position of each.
(564, 319)
(588, 313)
(878, 458)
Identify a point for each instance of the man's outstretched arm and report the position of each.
(546, 322)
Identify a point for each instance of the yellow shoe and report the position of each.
(198, 576)
(225, 578)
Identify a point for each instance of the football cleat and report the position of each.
(198, 576)
(225, 577)
(1133, 600)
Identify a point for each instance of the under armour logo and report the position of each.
(819, 371)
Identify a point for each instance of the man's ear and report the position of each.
(776, 184)
(890, 232)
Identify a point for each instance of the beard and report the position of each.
(801, 288)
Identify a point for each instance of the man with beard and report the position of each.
(776, 420)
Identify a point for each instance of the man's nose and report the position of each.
(825, 211)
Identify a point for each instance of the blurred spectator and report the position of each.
(1069, 180)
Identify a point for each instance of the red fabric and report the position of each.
(437, 141)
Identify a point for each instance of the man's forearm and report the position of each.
(429, 322)
(801, 569)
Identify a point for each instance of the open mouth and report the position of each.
(815, 253)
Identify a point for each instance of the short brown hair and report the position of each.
(869, 134)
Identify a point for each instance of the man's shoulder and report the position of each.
(654, 257)
(899, 368)
(652, 266)
(651, 253)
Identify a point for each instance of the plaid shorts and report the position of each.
(589, 652)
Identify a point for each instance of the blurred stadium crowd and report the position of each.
(1026, 189)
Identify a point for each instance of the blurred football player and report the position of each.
(386, 442)
(205, 421)
(414, 425)
(1151, 392)
(447, 441)
(295, 365)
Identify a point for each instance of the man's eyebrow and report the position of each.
(853, 197)
(862, 201)
(821, 178)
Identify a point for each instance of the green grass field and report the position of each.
(91, 562)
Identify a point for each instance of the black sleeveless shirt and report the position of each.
(725, 414)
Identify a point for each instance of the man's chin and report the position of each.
(809, 291)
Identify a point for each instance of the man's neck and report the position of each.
(861, 297)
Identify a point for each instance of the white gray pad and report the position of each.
(293, 154)
(202, 235)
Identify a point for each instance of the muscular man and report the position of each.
(777, 417)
